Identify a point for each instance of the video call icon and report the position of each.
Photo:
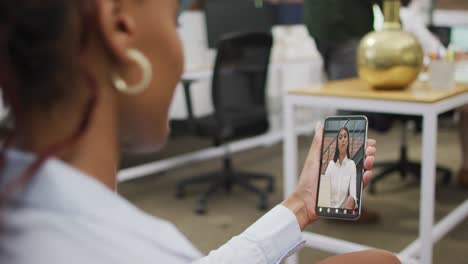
(345, 211)
(336, 211)
(328, 210)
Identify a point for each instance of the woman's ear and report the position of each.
(117, 27)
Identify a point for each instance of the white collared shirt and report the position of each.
(342, 181)
(66, 216)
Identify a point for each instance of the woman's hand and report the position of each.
(302, 201)
(350, 203)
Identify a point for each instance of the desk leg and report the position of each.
(188, 102)
(289, 156)
(278, 95)
(428, 162)
(290, 149)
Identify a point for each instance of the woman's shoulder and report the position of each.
(351, 163)
(331, 166)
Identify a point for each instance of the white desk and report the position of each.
(356, 95)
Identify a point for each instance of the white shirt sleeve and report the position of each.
(270, 240)
(352, 184)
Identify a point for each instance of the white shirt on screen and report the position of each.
(342, 181)
(66, 216)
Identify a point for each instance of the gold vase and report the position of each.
(391, 58)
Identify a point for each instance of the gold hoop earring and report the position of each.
(147, 72)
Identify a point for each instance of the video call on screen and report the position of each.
(342, 165)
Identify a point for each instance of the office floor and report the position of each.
(397, 201)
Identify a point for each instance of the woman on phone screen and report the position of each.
(342, 174)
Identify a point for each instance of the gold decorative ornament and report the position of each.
(390, 59)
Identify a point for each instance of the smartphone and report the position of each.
(339, 190)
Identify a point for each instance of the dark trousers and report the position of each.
(339, 59)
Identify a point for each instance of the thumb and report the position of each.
(311, 166)
(314, 152)
(317, 142)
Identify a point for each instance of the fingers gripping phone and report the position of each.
(342, 167)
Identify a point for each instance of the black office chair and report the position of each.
(240, 111)
(403, 165)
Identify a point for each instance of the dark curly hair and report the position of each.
(41, 48)
(40, 45)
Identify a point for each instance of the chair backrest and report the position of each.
(240, 73)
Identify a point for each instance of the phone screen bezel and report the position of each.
(333, 213)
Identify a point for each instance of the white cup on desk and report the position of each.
(441, 75)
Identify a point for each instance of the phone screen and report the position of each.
(341, 167)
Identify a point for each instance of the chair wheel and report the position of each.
(403, 175)
(446, 179)
(271, 188)
(228, 187)
(200, 207)
(263, 202)
(180, 194)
